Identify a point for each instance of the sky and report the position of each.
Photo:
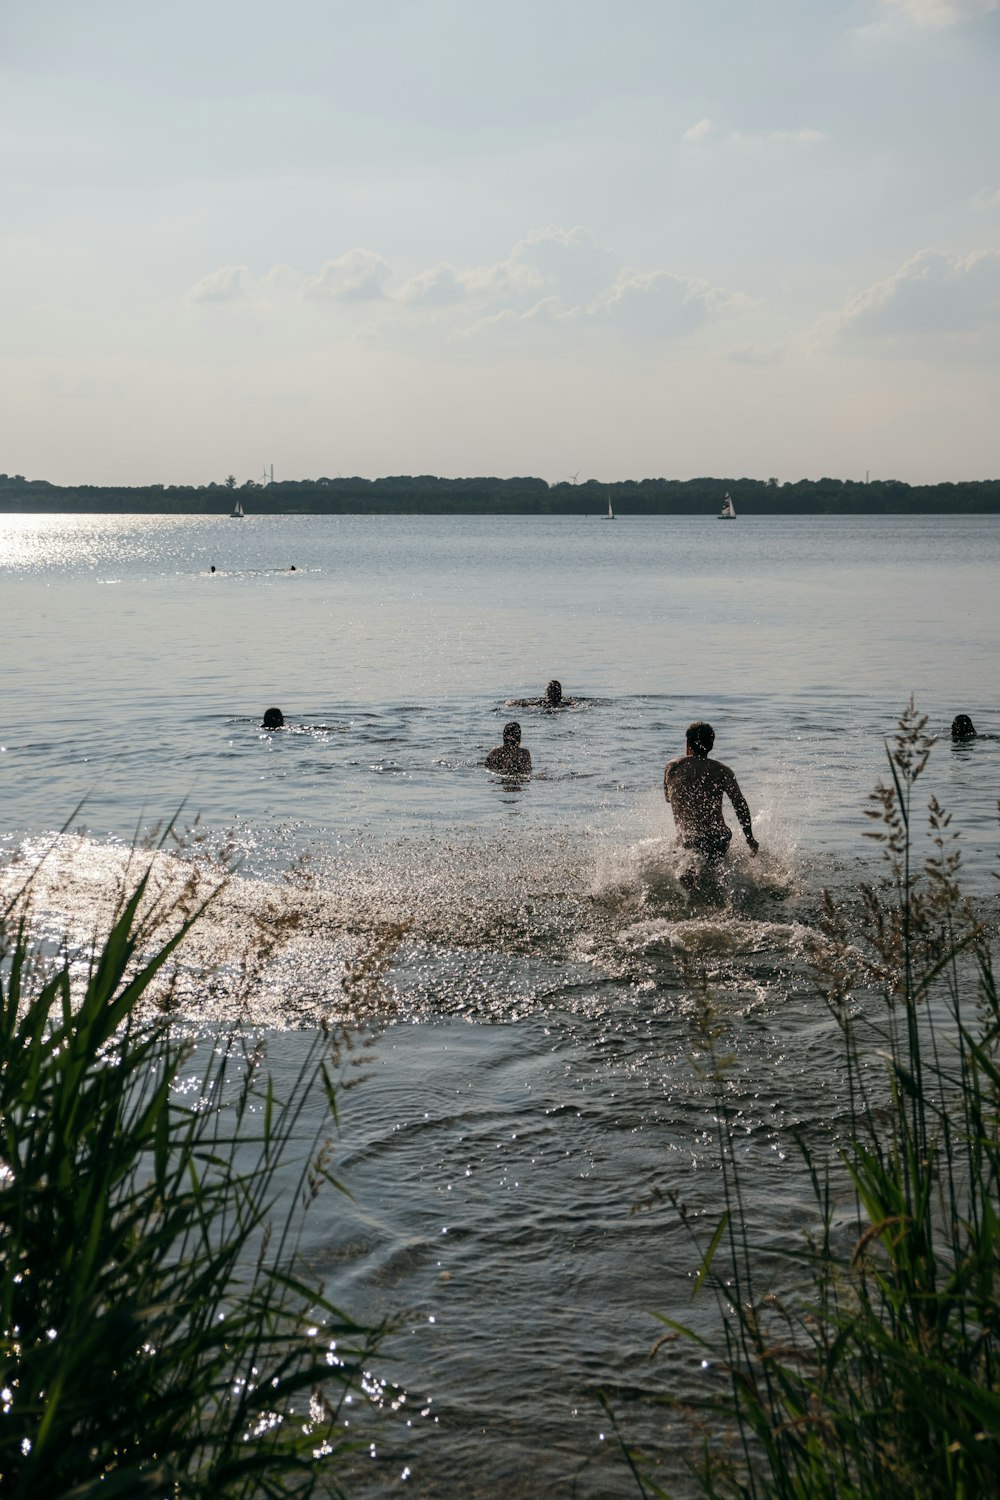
(608, 239)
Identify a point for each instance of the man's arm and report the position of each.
(741, 810)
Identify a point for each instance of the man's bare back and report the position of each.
(512, 758)
(694, 786)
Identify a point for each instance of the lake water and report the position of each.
(532, 1075)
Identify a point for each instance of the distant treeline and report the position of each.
(424, 494)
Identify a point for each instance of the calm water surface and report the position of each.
(533, 1077)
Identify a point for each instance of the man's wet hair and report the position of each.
(273, 719)
(553, 693)
(700, 737)
(962, 728)
(512, 733)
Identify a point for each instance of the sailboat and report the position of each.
(236, 514)
(610, 515)
(728, 511)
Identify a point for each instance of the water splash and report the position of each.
(485, 928)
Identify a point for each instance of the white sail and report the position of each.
(728, 511)
(611, 514)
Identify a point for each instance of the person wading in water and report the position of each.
(695, 786)
(511, 757)
(553, 698)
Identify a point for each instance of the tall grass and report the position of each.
(158, 1336)
(881, 1379)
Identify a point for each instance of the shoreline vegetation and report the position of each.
(161, 1332)
(425, 494)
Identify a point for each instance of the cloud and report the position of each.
(931, 294)
(554, 282)
(938, 14)
(568, 264)
(642, 307)
(706, 130)
(662, 305)
(227, 284)
(568, 261)
(546, 313)
(358, 276)
(505, 281)
(698, 131)
(280, 279)
(440, 286)
(987, 198)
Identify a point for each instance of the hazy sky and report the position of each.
(612, 238)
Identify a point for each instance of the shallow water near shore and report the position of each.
(532, 1076)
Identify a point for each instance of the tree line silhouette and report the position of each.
(427, 495)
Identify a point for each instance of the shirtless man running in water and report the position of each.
(694, 786)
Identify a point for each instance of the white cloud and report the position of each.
(569, 261)
(662, 305)
(568, 264)
(699, 131)
(280, 278)
(546, 313)
(506, 280)
(931, 294)
(358, 276)
(440, 286)
(553, 280)
(642, 307)
(227, 284)
(987, 198)
(941, 13)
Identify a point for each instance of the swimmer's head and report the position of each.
(512, 733)
(700, 738)
(553, 693)
(962, 728)
(273, 719)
